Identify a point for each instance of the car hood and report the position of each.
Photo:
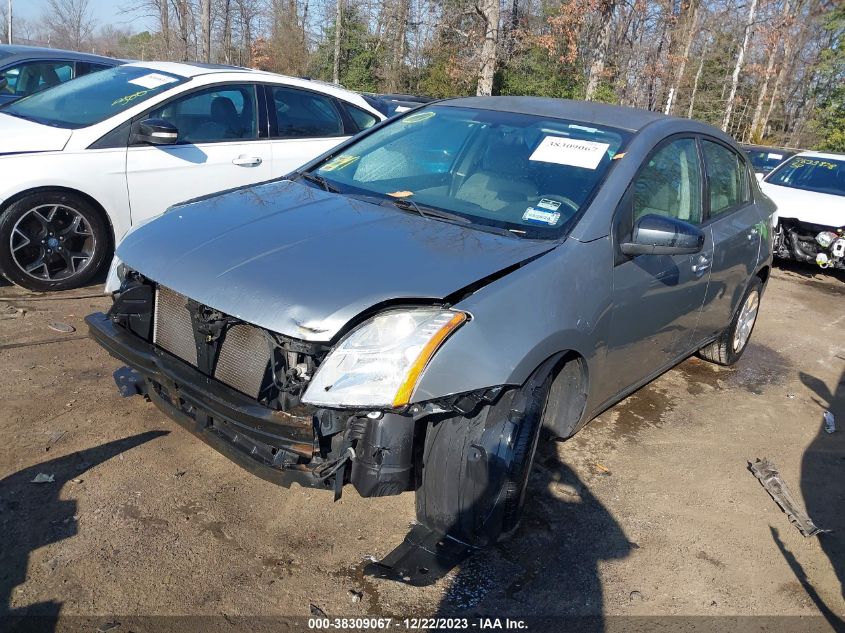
(807, 206)
(19, 135)
(303, 262)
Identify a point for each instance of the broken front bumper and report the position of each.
(266, 442)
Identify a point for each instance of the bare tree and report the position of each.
(489, 11)
(597, 66)
(740, 58)
(205, 25)
(338, 30)
(69, 23)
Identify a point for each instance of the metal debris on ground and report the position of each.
(829, 422)
(42, 478)
(108, 626)
(768, 474)
(58, 326)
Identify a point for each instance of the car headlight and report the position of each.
(379, 363)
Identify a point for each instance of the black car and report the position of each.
(764, 159)
(28, 69)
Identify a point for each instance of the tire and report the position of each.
(475, 469)
(52, 241)
(727, 349)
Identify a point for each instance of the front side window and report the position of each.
(362, 118)
(304, 114)
(822, 175)
(93, 98)
(222, 113)
(31, 77)
(527, 174)
(727, 177)
(669, 184)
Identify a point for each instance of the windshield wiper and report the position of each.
(429, 212)
(319, 180)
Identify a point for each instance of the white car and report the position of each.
(83, 162)
(809, 191)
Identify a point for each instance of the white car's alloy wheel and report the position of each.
(52, 242)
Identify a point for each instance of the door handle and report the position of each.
(701, 265)
(246, 161)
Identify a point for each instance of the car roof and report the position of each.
(10, 51)
(622, 117)
(827, 155)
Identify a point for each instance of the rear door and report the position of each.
(303, 125)
(221, 145)
(657, 299)
(736, 224)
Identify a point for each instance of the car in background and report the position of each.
(764, 159)
(25, 70)
(84, 161)
(394, 104)
(378, 320)
(809, 191)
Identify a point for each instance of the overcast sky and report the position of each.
(104, 12)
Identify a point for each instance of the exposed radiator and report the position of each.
(244, 353)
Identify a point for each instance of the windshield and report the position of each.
(93, 98)
(765, 160)
(523, 173)
(822, 175)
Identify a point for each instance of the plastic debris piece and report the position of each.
(58, 326)
(768, 474)
(42, 478)
(602, 468)
(829, 422)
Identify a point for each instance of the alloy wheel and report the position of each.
(52, 242)
(745, 322)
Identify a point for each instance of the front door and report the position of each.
(218, 148)
(737, 225)
(657, 299)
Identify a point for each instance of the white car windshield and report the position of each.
(528, 174)
(93, 98)
(822, 175)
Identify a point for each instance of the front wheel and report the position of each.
(52, 241)
(728, 348)
(475, 468)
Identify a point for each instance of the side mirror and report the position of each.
(156, 132)
(660, 235)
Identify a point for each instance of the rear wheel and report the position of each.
(728, 348)
(52, 241)
(475, 469)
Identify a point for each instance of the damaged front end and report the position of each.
(811, 243)
(239, 388)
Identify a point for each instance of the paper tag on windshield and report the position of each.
(538, 215)
(551, 205)
(153, 80)
(776, 156)
(572, 152)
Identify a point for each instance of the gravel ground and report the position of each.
(650, 510)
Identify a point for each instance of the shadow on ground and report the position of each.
(32, 516)
(554, 557)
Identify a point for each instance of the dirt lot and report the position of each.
(650, 510)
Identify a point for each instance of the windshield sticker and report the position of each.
(551, 205)
(776, 156)
(571, 152)
(128, 98)
(802, 162)
(543, 217)
(152, 81)
(418, 117)
(339, 162)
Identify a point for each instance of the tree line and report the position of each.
(765, 71)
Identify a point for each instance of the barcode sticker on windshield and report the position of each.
(568, 151)
(538, 215)
(152, 81)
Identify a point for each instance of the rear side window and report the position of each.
(223, 113)
(304, 114)
(362, 119)
(31, 77)
(727, 176)
(669, 184)
(85, 68)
